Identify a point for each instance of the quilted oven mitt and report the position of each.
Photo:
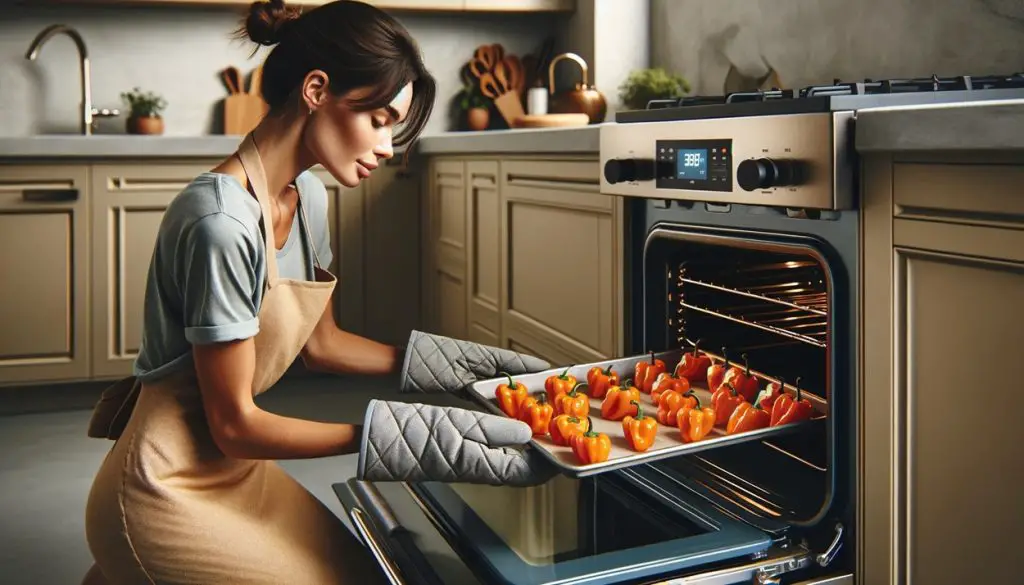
(434, 363)
(419, 442)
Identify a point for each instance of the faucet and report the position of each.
(88, 113)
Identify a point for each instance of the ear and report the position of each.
(315, 89)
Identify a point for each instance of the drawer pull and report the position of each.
(49, 195)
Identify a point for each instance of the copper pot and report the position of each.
(582, 99)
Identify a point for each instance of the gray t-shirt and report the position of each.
(206, 275)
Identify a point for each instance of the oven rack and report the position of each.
(801, 337)
(810, 299)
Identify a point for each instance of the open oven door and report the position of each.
(627, 526)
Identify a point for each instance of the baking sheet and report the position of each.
(667, 443)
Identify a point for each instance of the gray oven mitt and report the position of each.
(419, 442)
(434, 363)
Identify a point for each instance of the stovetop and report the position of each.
(839, 96)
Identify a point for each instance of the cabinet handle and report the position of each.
(49, 195)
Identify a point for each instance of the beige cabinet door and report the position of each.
(561, 262)
(483, 252)
(944, 326)
(44, 273)
(392, 261)
(128, 202)
(444, 265)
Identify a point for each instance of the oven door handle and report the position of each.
(390, 570)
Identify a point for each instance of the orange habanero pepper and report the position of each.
(772, 392)
(667, 381)
(600, 381)
(789, 410)
(695, 422)
(645, 373)
(671, 402)
(694, 366)
(591, 447)
(742, 380)
(716, 372)
(747, 417)
(564, 427)
(574, 403)
(639, 431)
(618, 402)
(537, 413)
(559, 384)
(510, 396)
(725, 400)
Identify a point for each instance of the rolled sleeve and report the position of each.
(220, 281)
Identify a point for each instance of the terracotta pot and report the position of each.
(145, 125)
(478, 118)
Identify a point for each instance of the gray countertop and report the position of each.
(993, 125)
(554, 140)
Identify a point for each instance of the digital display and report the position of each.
(692, 163)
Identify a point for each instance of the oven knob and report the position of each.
(623, 170)
(764, 173)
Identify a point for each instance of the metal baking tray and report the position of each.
(667, 443)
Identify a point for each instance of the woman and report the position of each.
(190, 493)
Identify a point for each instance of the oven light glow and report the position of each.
(792, 264)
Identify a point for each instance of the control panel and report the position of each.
(796, 161)
(704, 165)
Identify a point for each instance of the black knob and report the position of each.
(764, 173)
(623, 170)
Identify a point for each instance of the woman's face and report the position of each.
(349, 144)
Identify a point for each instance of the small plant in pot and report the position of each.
(644, 85)
(144, 115)
(474, 104)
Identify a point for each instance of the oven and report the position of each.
(743, 235)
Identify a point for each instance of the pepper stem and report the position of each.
(590, 429)
(652, 357)
(511, 383)
(639, 409)
(573, 391)
(696, 347)
(797, 388)
(608, 372)
(731, 388)
(725, 356)
(574, 420)
(746, 363)
(565, 375)
(694, 396)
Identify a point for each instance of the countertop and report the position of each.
(965, 126)
(581, 140)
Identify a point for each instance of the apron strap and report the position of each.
(249, 156)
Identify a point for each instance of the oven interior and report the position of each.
(772, 303)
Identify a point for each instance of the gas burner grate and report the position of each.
(840, 88)
(916, 85)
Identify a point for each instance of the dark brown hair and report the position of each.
(354, 43)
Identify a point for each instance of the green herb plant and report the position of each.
(470, 97)
(144, 104)
(644, 85)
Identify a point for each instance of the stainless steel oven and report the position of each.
(743, 234)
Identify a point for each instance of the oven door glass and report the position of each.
(613, 528)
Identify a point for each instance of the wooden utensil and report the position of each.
(243, 110)
(514, 73)
(496, 86)
(485, 58)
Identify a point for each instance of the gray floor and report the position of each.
(47, 464)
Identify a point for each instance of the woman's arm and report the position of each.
(331, 350)
(243, 430)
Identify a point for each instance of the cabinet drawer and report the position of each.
(44, 260)
(959, 193)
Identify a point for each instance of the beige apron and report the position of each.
(168, 507)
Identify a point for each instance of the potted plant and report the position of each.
(144, 115)
(474, 104)
(644, 85)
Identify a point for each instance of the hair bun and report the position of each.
(267, 19)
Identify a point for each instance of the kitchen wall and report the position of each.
(813, 42)
(179, 51)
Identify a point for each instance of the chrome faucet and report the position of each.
(88, 113)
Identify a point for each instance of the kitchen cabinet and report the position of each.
(127, 204)
(525, 254)
(943, 280)
(77, 241)
(44, 272)
(403, 5)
